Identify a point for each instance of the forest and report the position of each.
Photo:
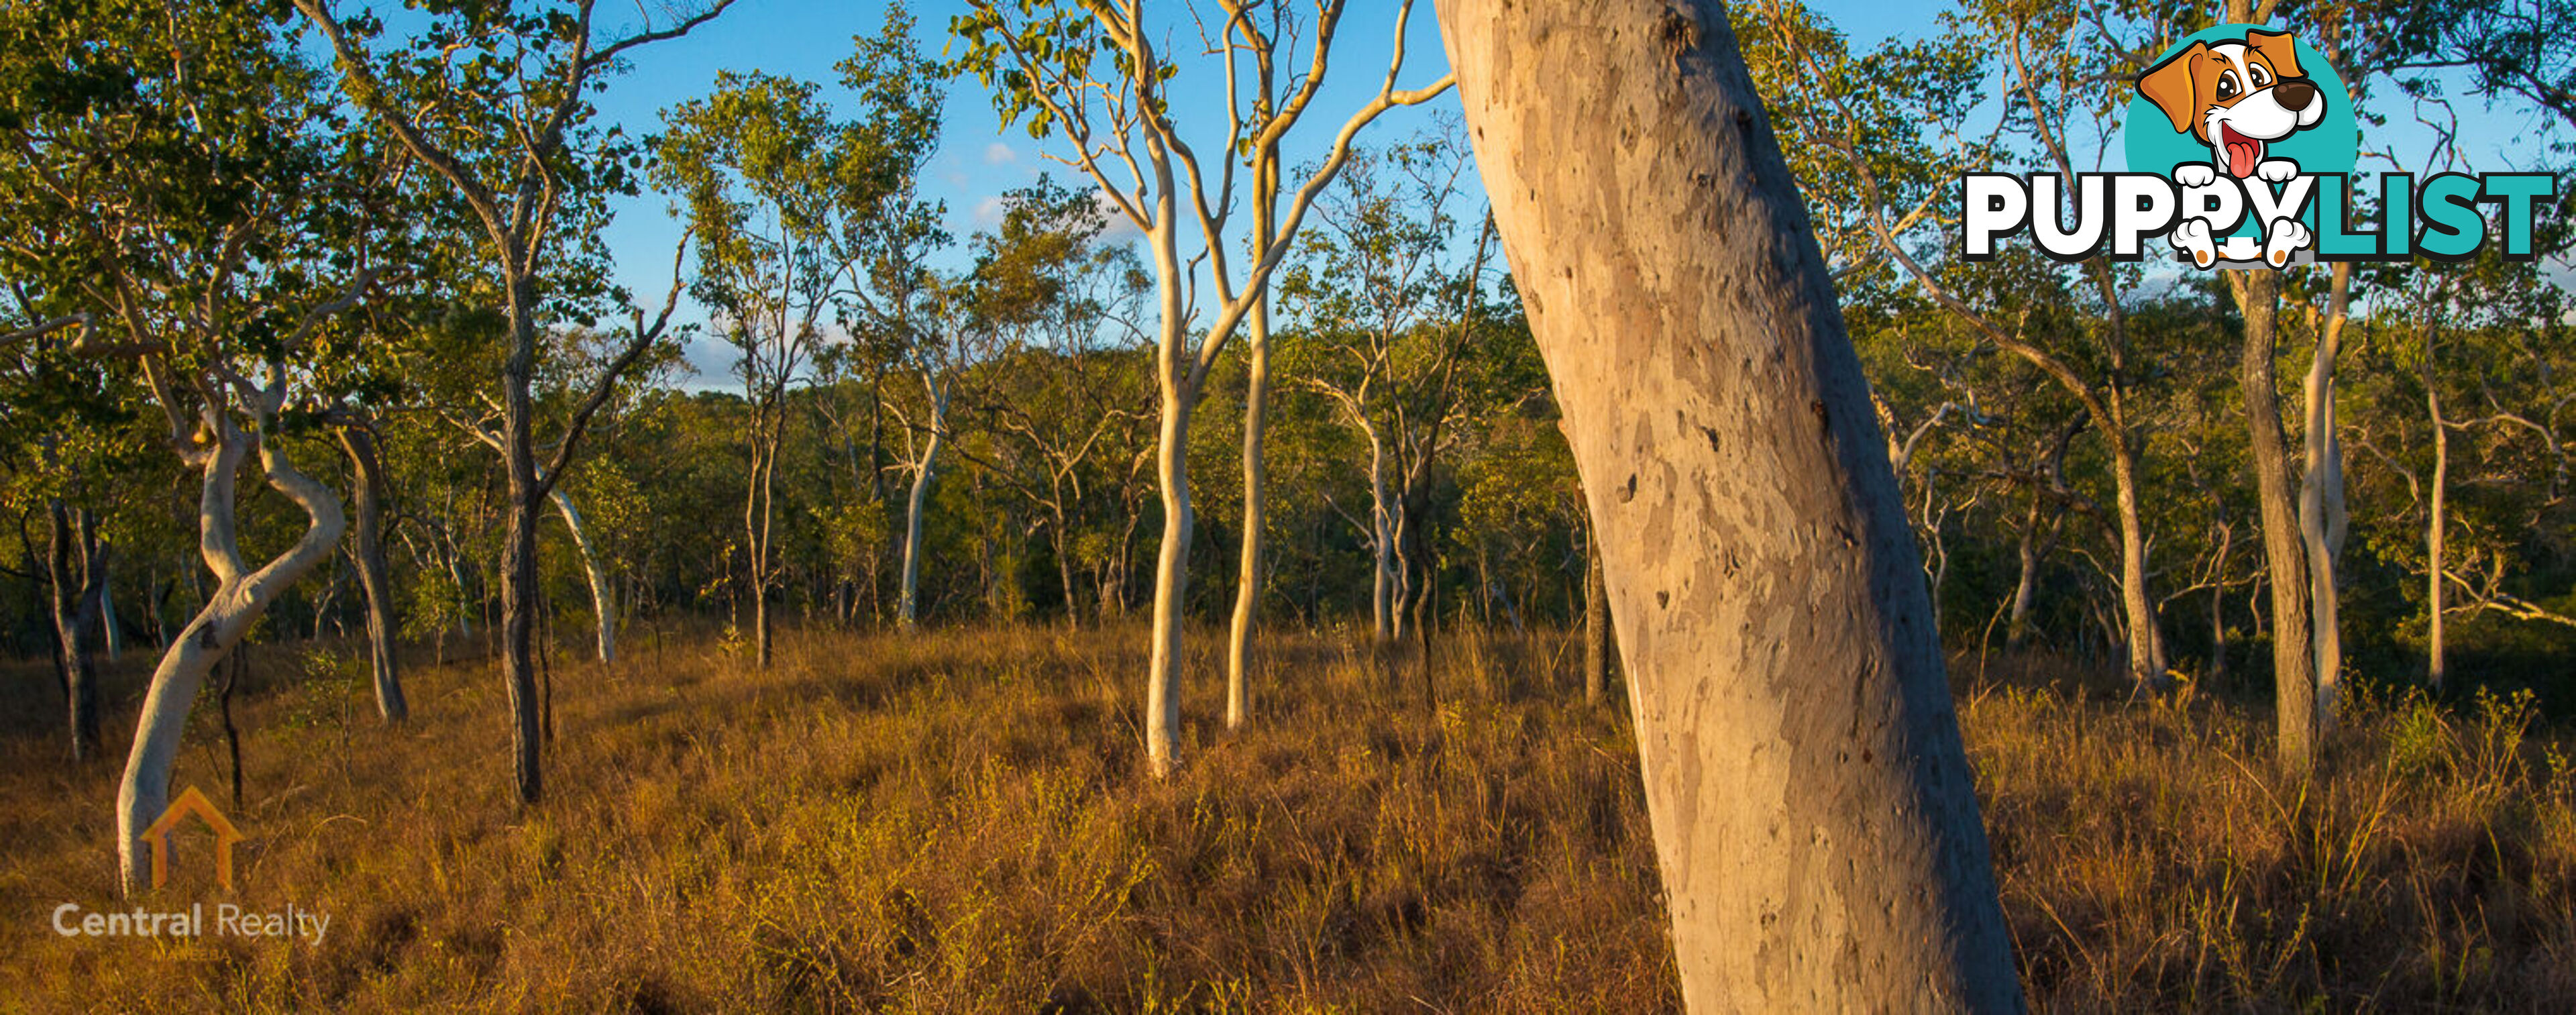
(1349, 535)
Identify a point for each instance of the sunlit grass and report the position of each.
(957, 822)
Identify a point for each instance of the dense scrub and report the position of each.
(958, 822)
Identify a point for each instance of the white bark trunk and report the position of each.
(1382, 591)
(114, 636)
(908, 599)
(1172, 364)
(1171, 581)
(1256, 514)
(1811, 802)
(239, 599)
(603, 593)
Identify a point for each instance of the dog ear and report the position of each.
(2169, 86)
(2278, 50)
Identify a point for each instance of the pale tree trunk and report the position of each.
(908, 602)
(240, 597)
(1382, 591)
(2321, 504)
(112, 638)
(2258, 293)
(594, 567)
(2435, 666)
(757, 511)
(2146, 643)
(603, 594)
(1256, 514)
(1812, 806)
(2026, 587)
(1171, 575)
(374, 577)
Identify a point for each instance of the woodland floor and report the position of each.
(956, 823)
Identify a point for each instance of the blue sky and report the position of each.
(978, 161)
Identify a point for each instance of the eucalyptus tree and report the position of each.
(1812, 806)
(1095, 73)
(1064, 299)
(218, 222)
(1387, 300)
(787, 205)
(495, 100)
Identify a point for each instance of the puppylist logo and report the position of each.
(2241, 143)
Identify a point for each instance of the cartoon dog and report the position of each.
(2237, 98)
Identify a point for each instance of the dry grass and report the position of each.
(956, 823)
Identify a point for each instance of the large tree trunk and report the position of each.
(1171, 576)
(1812, 805)
(519, 546)
(373, 574)
(1247, 581)
(2321, 504)
(240, 597)
(2258, 294)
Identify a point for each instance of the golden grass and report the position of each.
(956, 823)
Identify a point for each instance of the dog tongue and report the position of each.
(2241, 156)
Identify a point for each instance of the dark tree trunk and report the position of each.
(2258, 293)
(368, 474)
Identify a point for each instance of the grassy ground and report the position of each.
(956, 823)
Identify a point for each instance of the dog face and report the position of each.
(2236, 97)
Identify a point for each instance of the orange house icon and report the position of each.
(192, 802)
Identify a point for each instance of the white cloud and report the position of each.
(988, 212)
(998, 153)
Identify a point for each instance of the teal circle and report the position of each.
(2332, 146)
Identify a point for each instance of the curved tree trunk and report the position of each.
(373, 574)
(2258, 294)
(1171, 580)
(111, 636)
(2146, 642)
(240, 597)
(1247, 581)
(2026, 586)
(1811, 802)
(603, 590)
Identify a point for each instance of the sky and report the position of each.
(978, 160)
